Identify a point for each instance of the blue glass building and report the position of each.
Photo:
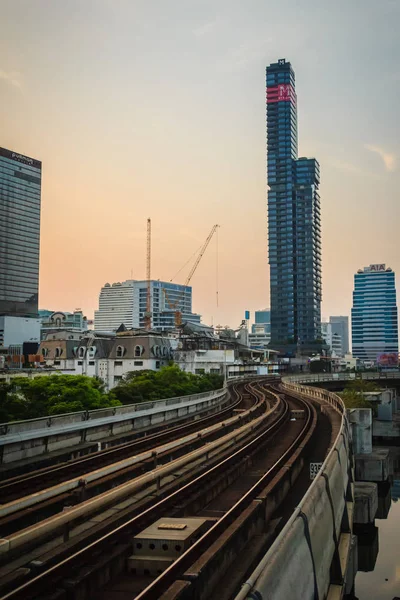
(294, 227)
(374, 325)
(20, 187)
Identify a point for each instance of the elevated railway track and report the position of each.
(235, 484)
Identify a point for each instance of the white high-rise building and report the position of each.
(332, 338)
(115, 306)
(125, 304)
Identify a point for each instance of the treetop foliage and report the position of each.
(168, 382)
(25, 398)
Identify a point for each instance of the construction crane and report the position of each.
(178, 303)
(147, 314)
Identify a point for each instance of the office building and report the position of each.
(374, 325)
(260, 335)
(293, 219)
(340, 326)
(262, 317)
(125, 303)
(332, 339)
(20, 188)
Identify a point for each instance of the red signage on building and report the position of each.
(283, 92)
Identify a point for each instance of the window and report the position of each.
(139, 350)
(138, 363)
(91, 363)
(120, 351)
(58, 352)
(57, 362)
(81, 352)
(157, 364)
(80, 362)
(118, 363)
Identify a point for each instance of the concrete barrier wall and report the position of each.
(27, 439)
(327, 377)
(76, 417)
(313, 551)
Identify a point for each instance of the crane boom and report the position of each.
(174, 305)
(198, 259)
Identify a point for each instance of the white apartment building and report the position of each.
(125, 303)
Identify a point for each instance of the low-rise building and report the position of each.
(108, 357)
(53, 321)
(15, 331)
(200, 350)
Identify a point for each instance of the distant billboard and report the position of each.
(388, 359)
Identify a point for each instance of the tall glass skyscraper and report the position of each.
(20, 188)
(293, 218)
(374, 325)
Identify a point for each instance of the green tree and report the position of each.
(361, 385)
(354, 399)
(26, 398)
(168, 382)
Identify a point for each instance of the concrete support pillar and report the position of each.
(366, 502)
(361, 422)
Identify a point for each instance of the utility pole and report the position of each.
(147, 315)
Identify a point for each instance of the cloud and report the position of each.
(389, 160)
(11, 77)
(205, 29)
(348, 167)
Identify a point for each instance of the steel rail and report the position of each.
(31, 505)
(35, 586)
(40, 478)
(181, 564)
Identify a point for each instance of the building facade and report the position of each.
(115, 306)
(109, 357)
(294, 228)
(333, 339)
(374, 321)
(125, 303)
(340, 326)
(260, 335)
(20, 189)
(53, 321)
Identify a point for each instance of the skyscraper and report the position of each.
(294, 238)
(20, 188)
(374, 325)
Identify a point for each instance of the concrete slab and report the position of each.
(374, 466)
(366, 502)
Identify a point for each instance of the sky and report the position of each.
(156, 108)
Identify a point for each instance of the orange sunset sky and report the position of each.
(156, 108)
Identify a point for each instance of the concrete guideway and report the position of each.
(314, 555)
(97, 503)
(35, 437)
(305, 563)
(37, 497)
